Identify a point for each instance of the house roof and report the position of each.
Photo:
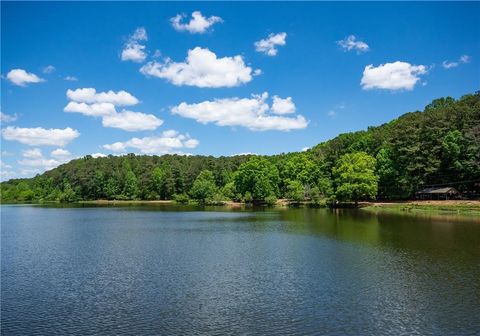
(444, 190)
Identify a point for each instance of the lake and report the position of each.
(171, 270)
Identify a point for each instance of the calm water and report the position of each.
(179, 271)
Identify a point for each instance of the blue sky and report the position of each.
(235, 78)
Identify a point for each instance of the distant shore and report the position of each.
(450, 207)
(464, 207)
(411, 205)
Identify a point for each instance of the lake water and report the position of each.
(168, 270)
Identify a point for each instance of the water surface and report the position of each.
(167, 270)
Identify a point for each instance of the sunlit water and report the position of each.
(182, 271)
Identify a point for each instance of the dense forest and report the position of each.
(437, 147)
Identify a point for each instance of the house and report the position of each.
(437, 193)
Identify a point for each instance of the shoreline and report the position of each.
(449, 207)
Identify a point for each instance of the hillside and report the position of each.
(438, 146)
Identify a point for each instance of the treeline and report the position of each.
(439, 146)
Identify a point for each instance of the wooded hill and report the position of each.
(437, 147)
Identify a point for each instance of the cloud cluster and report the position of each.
(168, 142)
(202, 68)
(21, 77)
(103, 104)
(268, 46)
(34, 158)
(392, 76)
(253, 113)
(90, 95)
(350, 43)
(462, 60)
(198, 24)
(134, 50)
(40, 136)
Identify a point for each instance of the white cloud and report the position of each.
(253, 113)
(40, 136)
(133, 50)
(269, 44)
(168, 142)
(60, 153)
(90, 95)
(283, 106)
(88, 102)
(34, 158)
(350, 43)
(5, 118)
(21, 78)
(33, 153)
(332, 114)
(202, 68)
(392, 76)
(198, 24)
(304, 149)
(461, 60)
(131, 121)
(465, 59)
(92, 110)
(448, 65)
(71, 78)
(98, 155)
(48, 69)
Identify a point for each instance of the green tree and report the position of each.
(295, 191)
(355, 177)
(387, 174)
(259, 177)
(130, 189)
(204, 186)
(68, 195)
(158, 183)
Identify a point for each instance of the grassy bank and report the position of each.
(439, 207)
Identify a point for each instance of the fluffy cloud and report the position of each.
(48, 69)
(98, 155)
(283, 106)
(168, 142)
(202, 68)
(40, 136)
(392, 76)
(253, 113)
(350, 43)
(462, 60)
(198, 24)
(133, 50)
(60, 153)
(34, 158)
(92, 110)
(90, 103)
(21, 78)
(131, 121)
(268, 45)
(90, 95)
(4, 118)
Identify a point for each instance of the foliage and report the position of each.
(355, 177)
(204, 186)
(259, 177)
(295, 191)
